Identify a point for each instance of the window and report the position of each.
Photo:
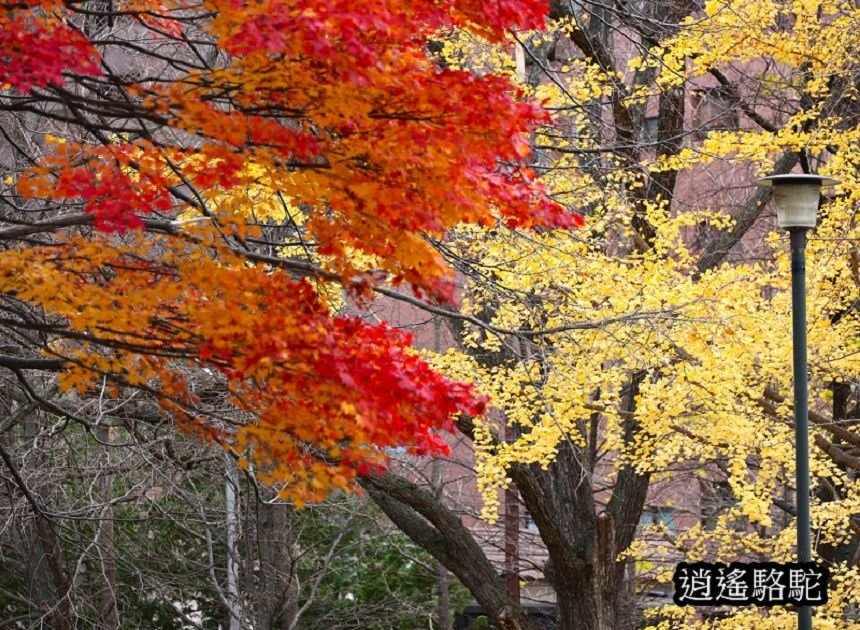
(648, 132)
(100, 17)
(659, 516)
(714, 109)
(716, 497)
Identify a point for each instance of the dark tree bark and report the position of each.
(46, 571)
(430, 524)
(275, 597)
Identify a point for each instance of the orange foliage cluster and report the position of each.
(338, 107)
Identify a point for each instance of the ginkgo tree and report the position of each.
(189, 188)
(651, 353)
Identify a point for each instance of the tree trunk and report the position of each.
(108, 610)
(431, 525)
(49, 581)
(443, 609)
(848, 551)
(582, 545)
(275, 598)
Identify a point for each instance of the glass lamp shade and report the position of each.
(796, 198)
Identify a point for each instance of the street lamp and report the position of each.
(796, 198)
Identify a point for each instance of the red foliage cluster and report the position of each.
(35, 51)
(335, 105)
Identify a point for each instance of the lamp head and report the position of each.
(796, 198)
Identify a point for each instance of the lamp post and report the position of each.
(796, 198)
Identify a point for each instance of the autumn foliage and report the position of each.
(326, 117)
(651, 391)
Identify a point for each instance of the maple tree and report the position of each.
(663, 358)
(663, 364)
(205, 180)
